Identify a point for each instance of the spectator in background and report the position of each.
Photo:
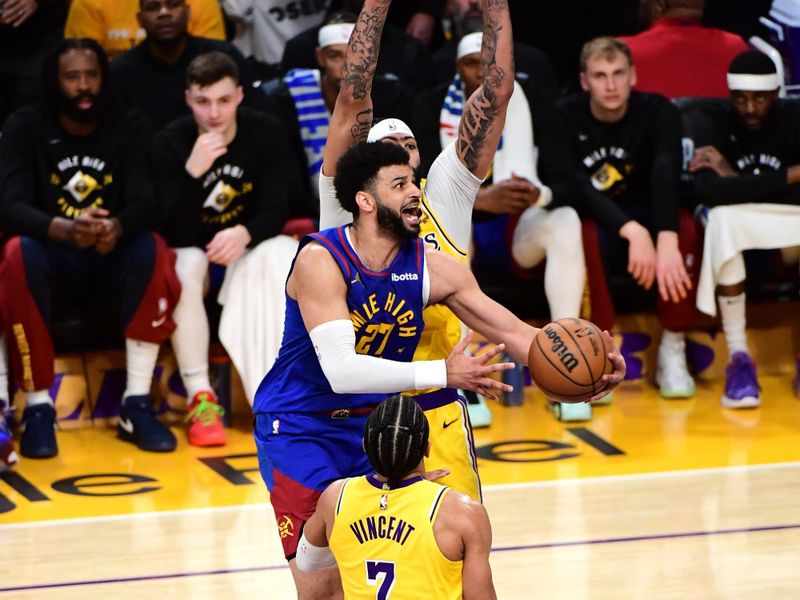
(76, 194)
(263, 27)
(529, 63)
(304, 99)
(677, 56)
(29, 30)
(559, 29)
(518, 220)
(152, 76)
(748, 172)
(113, 23)
(401, 56)
(221, 179)
(628, 144)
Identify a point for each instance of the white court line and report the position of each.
(487, 488)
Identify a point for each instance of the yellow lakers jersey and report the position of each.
(384, 544)
(442, 328)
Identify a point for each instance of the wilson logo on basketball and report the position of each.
(559, 348)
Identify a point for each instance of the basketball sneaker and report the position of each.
(741, 384)
(205, 421)
(38, 438)
(139, 425)
(571, 411)
(672, 373)
(8, 457)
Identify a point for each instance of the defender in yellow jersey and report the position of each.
(449, 194)
(393, 534)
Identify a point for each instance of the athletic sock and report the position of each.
(141, 358)
(38, 397)
(732, 311)
(196, 380)
(671, 339)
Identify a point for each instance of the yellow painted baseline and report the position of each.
(96, 474)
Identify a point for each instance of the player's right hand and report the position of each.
(207, 148)
(641, 253)
(468, 372)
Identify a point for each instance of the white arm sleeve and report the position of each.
(310, 557)
(450, 191)
(331, 213)
(351, 373)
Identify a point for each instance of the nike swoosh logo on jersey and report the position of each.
(445, 424)
(126, 424)
(158, 322)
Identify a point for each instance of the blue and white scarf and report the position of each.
(312, 115)
(516, 152)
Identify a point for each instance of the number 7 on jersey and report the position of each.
(375, 568)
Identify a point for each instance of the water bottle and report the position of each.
(514, 377)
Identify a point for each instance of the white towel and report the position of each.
(253, 304)
(516, 152)
(732, 229)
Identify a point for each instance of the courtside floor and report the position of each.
(652, 498)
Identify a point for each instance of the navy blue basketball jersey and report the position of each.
(386, 311)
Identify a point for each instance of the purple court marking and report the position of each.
(642, 538)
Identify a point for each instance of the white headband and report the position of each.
(386, 128)
(747, 82)
(469, 44)
(336, 33)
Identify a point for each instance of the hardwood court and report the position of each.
(652, 499)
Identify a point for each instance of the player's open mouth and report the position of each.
(411, 213)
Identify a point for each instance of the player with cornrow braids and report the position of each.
(414, 537)
(392, 448)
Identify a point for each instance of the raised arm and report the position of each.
(352, 114)
(485, 112)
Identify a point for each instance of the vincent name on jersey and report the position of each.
(381, 527)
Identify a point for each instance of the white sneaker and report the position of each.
(672, 374)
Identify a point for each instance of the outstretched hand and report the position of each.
(472, 372)
(436, 474)
(612, 379)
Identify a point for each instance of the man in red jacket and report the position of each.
(676, 56)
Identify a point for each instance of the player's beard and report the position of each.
(70, 107)
(391, 223)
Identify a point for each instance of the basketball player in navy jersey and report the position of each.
(448, 196)
(353, 319)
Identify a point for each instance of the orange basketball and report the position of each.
(568, 359)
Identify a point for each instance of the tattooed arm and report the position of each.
(485, 112)
(352, 115)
